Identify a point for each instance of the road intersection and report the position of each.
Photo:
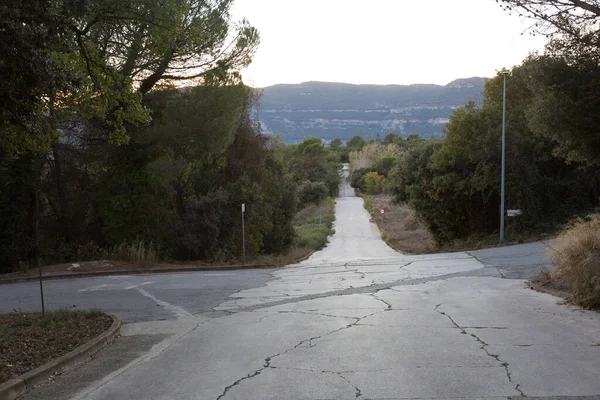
(356, 320)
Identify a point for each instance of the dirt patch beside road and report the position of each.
(29, 340)
(400, 228)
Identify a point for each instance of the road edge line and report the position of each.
(137, 272)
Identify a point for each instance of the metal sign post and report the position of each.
(37, 248)
(320, 212)
(382, 211)
(243, 232)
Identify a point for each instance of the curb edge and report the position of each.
(18, 386)
(137, 272)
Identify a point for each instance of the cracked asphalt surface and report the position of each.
(355, 321)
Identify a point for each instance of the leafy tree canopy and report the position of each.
(572, 24)
(336, 143)
(356, 143)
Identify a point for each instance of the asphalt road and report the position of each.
(518, 262)
(134, 298)
(356, 320)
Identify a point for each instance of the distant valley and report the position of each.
(329, 110)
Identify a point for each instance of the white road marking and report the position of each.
(95, 288)
(136, 286)
(178, 311)
(185, 323)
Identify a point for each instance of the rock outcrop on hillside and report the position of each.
(329, 110)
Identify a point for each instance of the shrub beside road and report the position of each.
(576, 258)
(313, 225)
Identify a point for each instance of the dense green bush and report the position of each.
(454, 184)
(357, 178)
(312, 192)
(313, 236)
(374, 183)
(385, 165)
(311, 161)
(176, 185)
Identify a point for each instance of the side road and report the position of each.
(137, 271)
(521, 261)
(518, 261)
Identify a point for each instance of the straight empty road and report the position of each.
(356, 320)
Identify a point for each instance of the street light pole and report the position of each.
(244, 232)
(502, 190)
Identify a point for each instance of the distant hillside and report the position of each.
(329, 110)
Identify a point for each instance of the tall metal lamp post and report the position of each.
(244, 232)
(502, 190)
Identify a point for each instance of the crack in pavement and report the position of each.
(309, 312)
(388, 305)
(485, 327)
(483, 347)
(358, 391)
(365, 289)
(355, 271)
(267, 361)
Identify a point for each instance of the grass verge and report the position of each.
(29, 340)
(314, 224)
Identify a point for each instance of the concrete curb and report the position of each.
(136, 272)
(16, 387)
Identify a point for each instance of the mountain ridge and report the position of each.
(337, 109)
(449, 84)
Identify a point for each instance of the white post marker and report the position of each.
(243, 232)
(382, 211)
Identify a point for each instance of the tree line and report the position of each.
(552, 156)
(553, 145)
(129, 123)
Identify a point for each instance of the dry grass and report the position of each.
(292, 256)
(400, 228)
(576, 259)
(138, 253)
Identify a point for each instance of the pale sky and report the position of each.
(382, 41)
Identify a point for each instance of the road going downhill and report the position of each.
(356, 320)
